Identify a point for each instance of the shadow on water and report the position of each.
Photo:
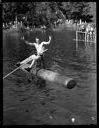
(51, 104)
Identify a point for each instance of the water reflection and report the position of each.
(86, 57)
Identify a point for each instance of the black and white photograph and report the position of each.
(49, 63)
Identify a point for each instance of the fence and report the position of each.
(86, 36)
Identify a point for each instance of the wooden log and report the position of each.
(56, 78)
(52, 77)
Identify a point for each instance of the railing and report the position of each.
(86, 36)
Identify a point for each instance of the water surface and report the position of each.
(26, 104)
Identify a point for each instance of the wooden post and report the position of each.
(76, 36)
(85, 36)
(95, 37)
(76, 40)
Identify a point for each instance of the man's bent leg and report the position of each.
(27, 60)
(32, 63)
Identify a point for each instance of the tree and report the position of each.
(38, 13)
(75, 10)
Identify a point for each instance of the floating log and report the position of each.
(53, 77)
(56, 78)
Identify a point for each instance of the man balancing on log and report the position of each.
(40, 50)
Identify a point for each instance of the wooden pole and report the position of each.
(76, 40)
(76, 35)
(95, 37)
(85, 37)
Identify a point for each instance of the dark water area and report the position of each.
(26, 104)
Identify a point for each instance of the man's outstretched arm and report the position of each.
(48, 41)
(27, 42)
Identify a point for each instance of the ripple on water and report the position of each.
(52, 104)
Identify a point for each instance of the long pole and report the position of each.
(24, 62)
(12, 71)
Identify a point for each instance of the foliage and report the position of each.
(39, 13)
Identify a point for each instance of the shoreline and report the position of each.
(60, 27)
(10, 30)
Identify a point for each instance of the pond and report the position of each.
(26, 104)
